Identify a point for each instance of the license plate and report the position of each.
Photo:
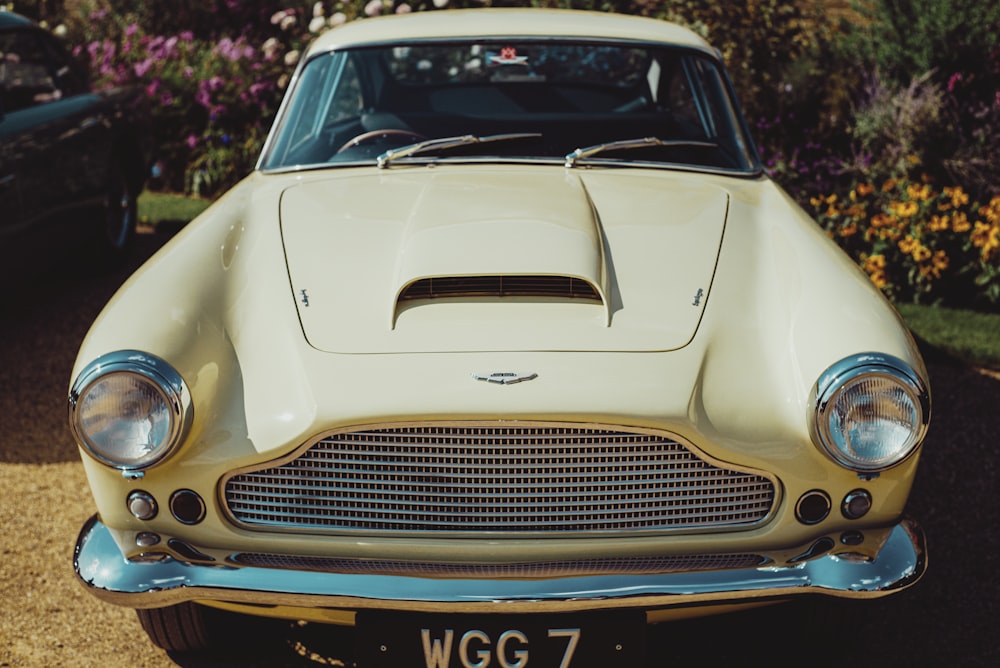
(500, 641)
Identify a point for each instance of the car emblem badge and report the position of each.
(505, 377)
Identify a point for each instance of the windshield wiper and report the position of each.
(446, 143)
(625, 144)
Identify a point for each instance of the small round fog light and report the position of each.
(142, 505)
(813, 507)
(856, 504)
(187, 507)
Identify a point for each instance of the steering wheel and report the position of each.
(375, 135)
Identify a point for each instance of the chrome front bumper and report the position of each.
(110, 576)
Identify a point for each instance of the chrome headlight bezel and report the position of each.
(849, 373)
(163, 382)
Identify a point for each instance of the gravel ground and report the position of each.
(47, 618)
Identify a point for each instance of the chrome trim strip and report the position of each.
(150, 583)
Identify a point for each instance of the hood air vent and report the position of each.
(450, 287)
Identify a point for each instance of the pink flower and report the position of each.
(191, 141)
(953, 81)
(373, 8)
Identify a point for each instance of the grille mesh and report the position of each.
(546, 569)
(488, 478)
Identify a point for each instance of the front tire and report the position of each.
(179, 628)
(190, 627)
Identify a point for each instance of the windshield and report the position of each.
(511, 100)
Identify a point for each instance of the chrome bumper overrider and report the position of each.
(112, 577)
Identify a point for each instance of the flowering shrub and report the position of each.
(214, 71)
(833, 109)
(918, 243)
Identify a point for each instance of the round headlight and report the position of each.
(129, 409)
(871, 412)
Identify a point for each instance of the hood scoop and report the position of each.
(459, 287)
(500, 258)
(470, 239)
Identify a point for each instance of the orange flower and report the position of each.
(890, 184)
(881, 220)
(865, 189)
(849, 230)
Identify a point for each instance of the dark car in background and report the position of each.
(72, 159)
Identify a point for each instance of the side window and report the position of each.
(680, 102)
(348, 101)
(33, 72)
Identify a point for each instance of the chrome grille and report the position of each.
(445, 287)
(497, 478)
(545, 569)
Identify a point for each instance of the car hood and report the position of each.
(494, 258)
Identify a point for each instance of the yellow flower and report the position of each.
(940, 260)
(992, 211)
(986, 238)
(957, 195)
(908, 245)
(874, 263)
(939, 223)
(904, 209)
(921, 253)
(921, 192)
(960, 223)
(980, 234)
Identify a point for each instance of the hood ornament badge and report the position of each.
(505, 377)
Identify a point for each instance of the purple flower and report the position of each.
(143, 67)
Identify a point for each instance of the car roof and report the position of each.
(506, 22)
(12, 20)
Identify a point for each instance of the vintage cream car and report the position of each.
(507, 349)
